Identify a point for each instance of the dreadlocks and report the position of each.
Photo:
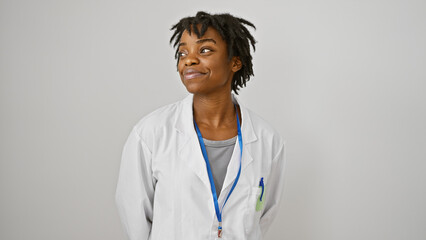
(233, 32)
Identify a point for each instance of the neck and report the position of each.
(214, 111)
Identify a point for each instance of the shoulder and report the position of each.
(157, 120)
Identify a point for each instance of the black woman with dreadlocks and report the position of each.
(205, 167)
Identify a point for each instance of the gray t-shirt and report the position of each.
(219, 154)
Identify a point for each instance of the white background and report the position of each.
(343, 81)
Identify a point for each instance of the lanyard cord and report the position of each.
(209, 171)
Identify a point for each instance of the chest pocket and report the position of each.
(254, 210)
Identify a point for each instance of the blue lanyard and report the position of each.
(209, 171)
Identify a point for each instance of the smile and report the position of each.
(192, 73)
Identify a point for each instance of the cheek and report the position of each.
(220, 69)
(180, 66)
(217, 65)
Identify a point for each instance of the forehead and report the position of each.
(210, 33)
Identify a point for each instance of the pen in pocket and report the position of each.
(262, 185)
(260, 200)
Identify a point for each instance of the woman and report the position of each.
(205, 167)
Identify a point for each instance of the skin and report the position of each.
(210, 83)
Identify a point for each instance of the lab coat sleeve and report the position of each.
(135, 188)
(273, 190)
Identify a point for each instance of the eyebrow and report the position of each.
(199, 41)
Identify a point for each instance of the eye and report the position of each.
(181, 54)
(205, 50)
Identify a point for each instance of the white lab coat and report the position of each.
(163, 190)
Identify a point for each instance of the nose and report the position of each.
(191, 59)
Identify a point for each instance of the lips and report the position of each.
(191, 73)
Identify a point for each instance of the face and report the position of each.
(203, 64)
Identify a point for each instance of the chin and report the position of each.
(193, 88)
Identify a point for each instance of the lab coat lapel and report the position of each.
(193, 157)
(248, 136)
(189, 147)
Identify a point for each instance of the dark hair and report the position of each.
(232, 30)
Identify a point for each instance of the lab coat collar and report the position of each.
(190, 151)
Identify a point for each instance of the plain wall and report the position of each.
(343, 81)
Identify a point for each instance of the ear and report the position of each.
(236, 64)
